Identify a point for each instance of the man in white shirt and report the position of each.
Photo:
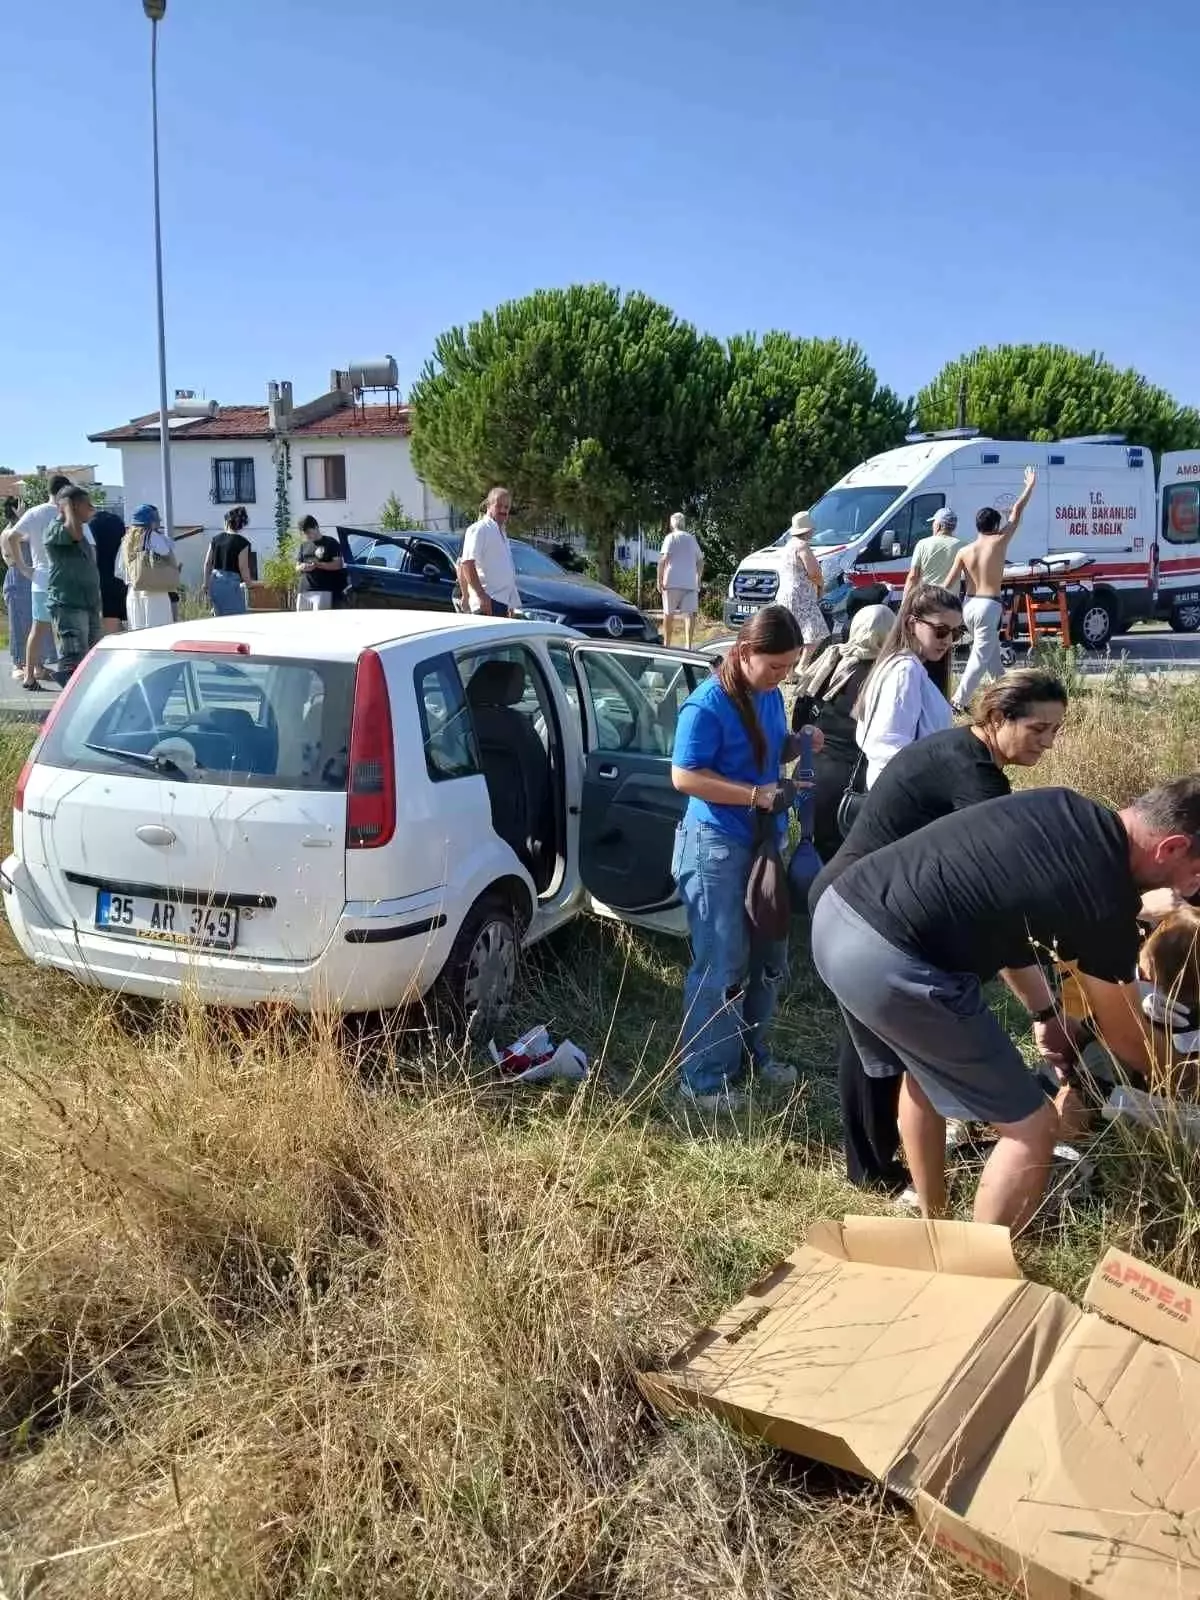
(680, 566)
(32, 528)
(485, 568)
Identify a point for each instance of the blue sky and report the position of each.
(345, 180)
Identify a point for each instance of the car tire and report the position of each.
(474, 989)
(1185, 619)
(1093, 622)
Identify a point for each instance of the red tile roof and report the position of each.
(230, 422)
(370, 422)
(252, 422)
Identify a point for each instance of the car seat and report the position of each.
(253, 748)
(515, 766)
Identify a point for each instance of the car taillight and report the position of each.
(60, 700)
(371, 785)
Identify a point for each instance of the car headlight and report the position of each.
(535, 615)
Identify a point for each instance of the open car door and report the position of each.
(631, 698)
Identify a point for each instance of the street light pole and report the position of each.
(156, 10)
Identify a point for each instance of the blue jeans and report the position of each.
(732, 987)
(226, 593)
(18, 602)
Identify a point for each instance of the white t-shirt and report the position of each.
(33, 528)
(903, 704)
(681, 556)
(486, 544)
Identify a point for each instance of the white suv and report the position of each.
(342, 809)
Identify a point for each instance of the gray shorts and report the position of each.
(907, 1016)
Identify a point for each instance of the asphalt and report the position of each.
(1148, 652)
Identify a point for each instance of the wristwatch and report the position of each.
(1046, 1014)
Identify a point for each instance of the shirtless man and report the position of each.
(981, 565)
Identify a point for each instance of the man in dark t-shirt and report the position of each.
(907, 935)
(322, 580)
(926, 780)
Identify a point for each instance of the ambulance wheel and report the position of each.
(1185, 619)
(1093, 622)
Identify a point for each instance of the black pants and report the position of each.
(870, 1130)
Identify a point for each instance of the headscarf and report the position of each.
(833, 668)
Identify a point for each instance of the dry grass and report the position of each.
(284, 1315)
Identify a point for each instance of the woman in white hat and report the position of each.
(800, 590)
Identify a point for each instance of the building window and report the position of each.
(324, 477)
(233, 480)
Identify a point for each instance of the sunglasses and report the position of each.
(942, 631)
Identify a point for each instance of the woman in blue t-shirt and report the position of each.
(730, 741)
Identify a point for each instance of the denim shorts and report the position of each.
(41, 606)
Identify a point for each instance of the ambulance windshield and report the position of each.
(842, 514)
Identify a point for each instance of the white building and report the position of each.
(336, 458)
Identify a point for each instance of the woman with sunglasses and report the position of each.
(906, 695)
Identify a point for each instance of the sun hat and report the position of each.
(803, 525)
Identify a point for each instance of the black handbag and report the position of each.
(853, 797)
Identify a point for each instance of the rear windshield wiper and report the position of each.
(138, 759)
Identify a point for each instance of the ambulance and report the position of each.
(1133, 542)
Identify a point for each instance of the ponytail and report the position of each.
(773, 631)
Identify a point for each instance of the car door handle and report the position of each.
(607, 773)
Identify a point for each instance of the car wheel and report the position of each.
(475, 987)
(1093, 622)
(1185, 619)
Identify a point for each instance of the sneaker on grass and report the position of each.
(725, 1100)
(773, 1074)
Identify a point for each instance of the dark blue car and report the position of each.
(415, 571)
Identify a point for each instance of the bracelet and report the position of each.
(753, 797)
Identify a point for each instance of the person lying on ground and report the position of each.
(909, 934)
(1015, 723)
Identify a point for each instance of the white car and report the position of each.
(343, 809)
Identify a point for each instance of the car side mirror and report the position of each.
(895, 548)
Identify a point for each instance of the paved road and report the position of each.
(1148, 650)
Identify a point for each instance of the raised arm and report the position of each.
(1019, 504)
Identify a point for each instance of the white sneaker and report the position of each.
(774, 1074)
(721, 1101)
(907, 1202)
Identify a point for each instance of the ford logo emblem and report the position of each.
(615, 626)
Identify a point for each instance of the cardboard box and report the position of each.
(1056, 1451)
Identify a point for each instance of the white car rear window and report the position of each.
(250, 720)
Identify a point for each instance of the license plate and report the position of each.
(138, 917)
(746, 611)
